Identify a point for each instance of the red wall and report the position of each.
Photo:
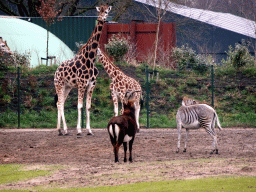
(143, 35)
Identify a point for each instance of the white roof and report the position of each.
(25, 37)
(223, 20)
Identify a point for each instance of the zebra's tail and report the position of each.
(218, 122)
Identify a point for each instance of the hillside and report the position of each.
(234, 96)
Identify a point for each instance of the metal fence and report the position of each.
(69, 29)
(229, 94)
(163, 92)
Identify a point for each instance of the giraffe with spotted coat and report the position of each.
(120, 85)
(80, 72)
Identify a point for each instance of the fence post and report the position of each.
(212, 74)
(18, 79)
(147, 92)
(82, 117)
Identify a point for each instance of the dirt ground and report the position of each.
(89, 160)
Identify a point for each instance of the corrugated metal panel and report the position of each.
(70, 30)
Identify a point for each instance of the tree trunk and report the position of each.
(156, 42)
(47, 44)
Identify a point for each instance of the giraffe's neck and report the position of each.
(109, 66)
(93, 42)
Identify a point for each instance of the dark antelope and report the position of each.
(122, 128)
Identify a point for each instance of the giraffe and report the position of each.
(4, 47)
(79, 72)
(120, 85)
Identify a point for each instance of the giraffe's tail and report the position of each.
(55, 100)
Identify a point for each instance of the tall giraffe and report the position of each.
(80, 72)
(120, 85)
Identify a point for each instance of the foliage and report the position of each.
(187, 58)
(239, 56)
(47, 10)
(234, 96)
(17, 59)
(117, 46)
(68, 8)
(184, 56)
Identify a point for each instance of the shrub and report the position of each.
(186, 57)
(239, 56)
(202, 63)
(117, 47)
(7, 61)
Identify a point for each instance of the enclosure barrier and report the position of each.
(24, 92)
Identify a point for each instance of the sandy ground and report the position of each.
(89, 160)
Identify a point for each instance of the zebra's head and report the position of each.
(187, 101)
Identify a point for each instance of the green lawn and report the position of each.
(14, 173)
(223, 184)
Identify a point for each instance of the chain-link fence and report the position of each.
(230, 92)
(25, 92)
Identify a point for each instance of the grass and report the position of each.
(234, 101)
(198, 185)
(14, 172)
(140, 173)
(48, 119)
(212, 184)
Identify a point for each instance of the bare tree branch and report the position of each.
(6, 9)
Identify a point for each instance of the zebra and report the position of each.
(192, 115)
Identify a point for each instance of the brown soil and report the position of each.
(89, 160)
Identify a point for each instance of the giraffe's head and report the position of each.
(103, 12)
(4, 48)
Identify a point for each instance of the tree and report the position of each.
(28, 8)
(161, 8)
(48, 12)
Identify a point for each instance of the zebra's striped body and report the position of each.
(196, 116)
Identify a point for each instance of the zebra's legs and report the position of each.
(179, 136)
(185, 147)
(214, 143)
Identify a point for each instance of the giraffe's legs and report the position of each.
(115, 101)
(137, 114)
(88, 106)
(79, 109)
(62, 95)
(121, 96)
